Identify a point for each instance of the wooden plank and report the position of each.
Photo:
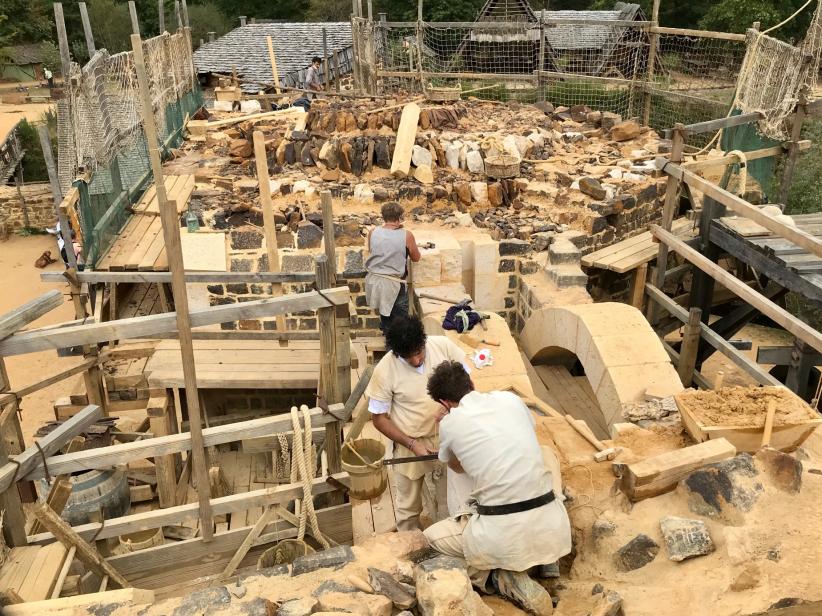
(661, 473)
(780, 315)
(137, 327)
(17, 566)
(44, 572)
(710, 126)
(268, 515)
(132, 596)
(32, 310)
(744, 226)
(238, 380)
(66, 535)
(572, 400)
(30, 460)
(113, 455)
(406, 134)
(57, 498)
(97, 277)
(61, 576)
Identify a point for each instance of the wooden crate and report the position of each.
(785, 437)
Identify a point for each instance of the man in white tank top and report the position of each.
(388, 246)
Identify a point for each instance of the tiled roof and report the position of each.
(589, 36)
(30, 53)
(294, 45)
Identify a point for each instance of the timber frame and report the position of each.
(775, 274)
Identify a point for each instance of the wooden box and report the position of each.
(785, 436)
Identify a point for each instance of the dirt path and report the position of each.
(21, 282)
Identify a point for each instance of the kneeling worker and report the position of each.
(517, 521)
(402, 411)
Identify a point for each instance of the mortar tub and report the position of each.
(367, 481)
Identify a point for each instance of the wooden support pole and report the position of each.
(329, 246)
(769, 415)
(335, 56)
(14, 519)
(273, 59)
(186, 23)
(177, 15)
(797, 120)
(668, 213)
(87, 29)
(161, 15)
(788, 321)
(158, 410)
(653, 48)
(637, 292)
(171, 237)
(68, 537)
(325, 61)
(267, 517)
(51, 167)
(62, 42)
(690, 346)
(803, 358)
(269, 226)
(28, 312)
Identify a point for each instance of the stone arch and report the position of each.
(621, 354)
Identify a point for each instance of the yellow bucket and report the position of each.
(367, 480)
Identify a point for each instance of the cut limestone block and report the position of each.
(428, 270)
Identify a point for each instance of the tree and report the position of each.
(328, 10)
(111, 25)
(205, 18)
(288, 10)
(26, 21)
(739, 15)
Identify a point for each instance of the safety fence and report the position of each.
(100, 131)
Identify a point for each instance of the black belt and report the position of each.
(526, 505)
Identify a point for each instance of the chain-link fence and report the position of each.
(100, 131)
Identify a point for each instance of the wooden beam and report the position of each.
(715, 125)
(88, 33)
(725, 36)
(157, 518)
(144, 327)
(106, 457)
(30, 460)
(28, 312)
(731, 159)
(788, 321)
(79, 603)
(30, 389)
(158, 410)
(406, 134)
(714, 339)
(690, 346)
(135, 23)
(273, 59)
(14, 518)
(68, 537)
(268, 515)
(62, 42)
(742, 207)
(191, 277)
(661, 473)
(797, 120)
(637, 289)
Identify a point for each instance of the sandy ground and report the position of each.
(10, 115)
(21, 280)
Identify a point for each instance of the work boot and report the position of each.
(523, 591)
(546, 572)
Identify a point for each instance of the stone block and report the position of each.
(562, 251)
(479, 192)
(637, 553)
(424, 174)
(292, 263)
(567, 275)
(486, 255)
(309, 235)
(448, 592)
(685, 538)
(331, 558)
(625, 130)
(428, 270)
(474, 162)
(514, 247)
(724, 490)
(356, 603)
(385, 584)
(490, 291)
(592, 187)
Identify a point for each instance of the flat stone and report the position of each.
(203, 601)
(329, 154)
(421, 156)
(384, 583)
(333, 557)
(544, 106)
(725, 489)
(637, 553)
(625, 130)
(542, 240)
(424, 174)
(353, 262)
(579, 113)
(685, 538)
(448, 592)
(330, 586)
(601, 529)
(514, 247)
(246, 240)
(474, 162)
(463, 191)
(309, 235)
(784, 471)
(330, 175)
(608, 120)
(356, 603)
(591, 187)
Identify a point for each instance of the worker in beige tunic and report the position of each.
(517, 521)
(402, 410)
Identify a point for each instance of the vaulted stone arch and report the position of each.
(621, 354)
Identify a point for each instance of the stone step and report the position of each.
(567, 275)
(563, 252)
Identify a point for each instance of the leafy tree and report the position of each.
(205, 18)
(26, 21)
(111, 25)
(328, 10)
(288, 10)
(739, 15)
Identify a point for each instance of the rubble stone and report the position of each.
(479, 192)
(309, 235)
(330, 175)
(452, 154)
(540, 241)
(447, 591)
(625, 130)
(240, 148)
(298, 607)
(329, 154)
(608, 120)
(591, 187)
(424, 174)
(474, 162)
(544, 106)
(747, 579)
(609, 604)
(420, 156)
(723, 489)
(382, 153)
(356, 603)
(495, 196)
(385, 584)
(685, 538)
(637, 553)
(202, 601)
(333, 557)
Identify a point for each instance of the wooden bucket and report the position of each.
(367, 480)
(443, 94)
(500, 167)
(141, 540)
(284, 553)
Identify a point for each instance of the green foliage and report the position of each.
(288, 10)
(205, 18)
(51, 55)
(738, 15)
(328, 10)
(34, 165)
(111, 25)
(25, 21)
(805, 196)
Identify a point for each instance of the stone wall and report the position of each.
(39, 204)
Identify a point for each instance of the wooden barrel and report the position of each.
(105, 491)
(500, 167)
(367, 480)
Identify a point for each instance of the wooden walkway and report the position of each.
(777, 258)
(140, 245)
(239, 364)
(629, 254)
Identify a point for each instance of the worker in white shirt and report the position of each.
(402, 411)
(517, 521)
(312, 76)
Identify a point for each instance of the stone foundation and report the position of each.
(39, 205)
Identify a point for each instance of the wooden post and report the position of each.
(803, 358)
(14, 520)
(329, 376)
(793, 151)
(690, 346)
(274, 72)
(135, 23)
(325, 61)
(159, 411)
(269, 227)
(54, 181)
(637, 292)
(652, 53)
(370, 11)
(328, 232)
(177, 15)
(171, 237)
(161, 15)
(541, 59)
(186, 23)
(335, 56)
(87, 29)
(62, 41)
(668, 213)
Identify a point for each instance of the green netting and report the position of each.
(105, 201)
(747, 138)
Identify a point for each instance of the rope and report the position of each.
(782, 23)
(304, 471)
(743, 171)
(45, 465)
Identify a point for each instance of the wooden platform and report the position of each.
(239, 364)
(779, 259)
(629, 254)
(32, 571)
(140, 245)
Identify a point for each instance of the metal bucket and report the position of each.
(367, 480)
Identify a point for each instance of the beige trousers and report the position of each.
(411, 496)
(446, 538)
